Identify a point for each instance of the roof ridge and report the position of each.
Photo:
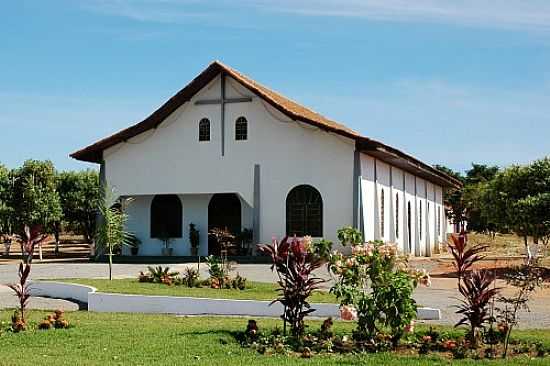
(287, 106)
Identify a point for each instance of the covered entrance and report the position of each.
(224, 213)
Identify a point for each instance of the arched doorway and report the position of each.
(224, 212)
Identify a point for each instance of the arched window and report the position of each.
(382, 212)
(420, 222)
(304, 212)
(166, 216)
(241, 129)
(204, 130)
(397, 216)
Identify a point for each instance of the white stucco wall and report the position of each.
(171, 160)
(377, 176)
(370, 215)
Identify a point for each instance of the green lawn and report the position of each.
(132, 339)
(255, 290)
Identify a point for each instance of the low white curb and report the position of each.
(61, 290)
(123, 303)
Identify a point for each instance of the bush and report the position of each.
(238, 283)
(159, 274)
(190, 277)
(389, 303)
(294, 260)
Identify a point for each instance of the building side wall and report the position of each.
(401, 189)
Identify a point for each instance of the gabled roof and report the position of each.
(293, 110)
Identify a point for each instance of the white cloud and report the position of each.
(533, 14)
(504, 14)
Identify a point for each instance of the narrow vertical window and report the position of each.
(439, 222)
(409, 224)
(241, 129)
(420, 222)
(382, 213)
(397, 216)
(204, 130)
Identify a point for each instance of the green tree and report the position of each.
(79, 194)
(518, 199)
(6, 201)
(111, 229)
(480, 173)
(454, 197)
(35, 197)
(475, 183)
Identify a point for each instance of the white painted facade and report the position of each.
(170, 159)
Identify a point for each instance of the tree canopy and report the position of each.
(79, 196)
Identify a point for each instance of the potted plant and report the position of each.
(194, 239)
(166, 239)
(134, 245)
(7, 245)
(245, 238)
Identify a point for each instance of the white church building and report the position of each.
(227, 152)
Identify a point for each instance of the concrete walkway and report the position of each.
(442, 294)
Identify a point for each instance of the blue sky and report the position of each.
(449, 81)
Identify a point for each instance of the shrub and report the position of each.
(18, 323)
(526, 280)
(478, 291)
(144, 277)
(161, 274)
(32, 238)
(476, 287)
(294, 263)
(238, 283)
(190, 277)
(464, 257)
(218, 269)
(374, 265)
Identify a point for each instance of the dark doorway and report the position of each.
(224, 212)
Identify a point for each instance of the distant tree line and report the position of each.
(514, 199)
(37, 194)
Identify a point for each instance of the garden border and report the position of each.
(128, 303)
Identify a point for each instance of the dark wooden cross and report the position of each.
(223, 101)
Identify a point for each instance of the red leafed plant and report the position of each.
(32, 238)
(464, 256)
(477, 287)
(22, 292)
(478, 291)
(294, 264)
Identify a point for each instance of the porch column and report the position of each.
(256, 210)
(357, 204)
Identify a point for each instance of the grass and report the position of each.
(254, 290)
(134, 339)
(500, 245)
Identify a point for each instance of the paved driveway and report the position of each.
(441, 295)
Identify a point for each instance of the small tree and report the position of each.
(525, 280)
(35, 197)
(79, 194)
(111, 232)
(32, 237)
(294, 263)
(518, 199)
